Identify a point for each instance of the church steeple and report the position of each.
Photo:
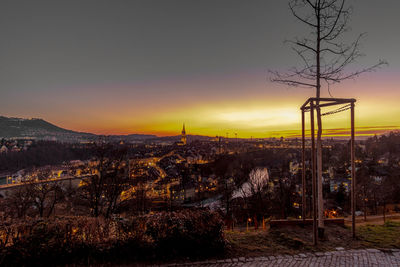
(183, 136)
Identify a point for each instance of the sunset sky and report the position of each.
(121, 67)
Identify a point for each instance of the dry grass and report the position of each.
(297, 239)
(382, 236)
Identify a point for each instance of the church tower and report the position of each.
(183, 137)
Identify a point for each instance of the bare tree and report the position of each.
(42, 196)
(259, 180)
(324, 58)
(365, 186)
(45, 196)
(255, 192)
(102, 190)
(140, 198)
(19, 201)
(115, 182)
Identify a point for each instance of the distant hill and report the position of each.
(129, 137)
(10, 127)
(38, 129)
(43, 130)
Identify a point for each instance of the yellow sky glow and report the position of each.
(262, 111)
(259, 120)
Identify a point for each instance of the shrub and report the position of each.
(90, 240)
(188, 232)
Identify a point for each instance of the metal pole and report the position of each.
(314, 177)
(353, 176)
(303, 168)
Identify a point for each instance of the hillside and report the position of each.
(43, 130)
(37, 129)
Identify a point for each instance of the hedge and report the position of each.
(86, 240)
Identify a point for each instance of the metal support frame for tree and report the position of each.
(311, 105)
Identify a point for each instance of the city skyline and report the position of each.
(146, 67)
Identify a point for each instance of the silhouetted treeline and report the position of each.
(43, 153)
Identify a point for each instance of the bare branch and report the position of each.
(301, 55)
(356, 73)
(329, 61)
(336, 21)
(302, 44)
(293, 83)
(311, 4)
(300, 18)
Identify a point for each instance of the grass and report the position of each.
(251, 244)
(296, 239)
(381, 236)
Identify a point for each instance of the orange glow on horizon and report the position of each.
(252, 119)
(265, 110)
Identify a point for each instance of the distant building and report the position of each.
(183, 140)
(183, 137)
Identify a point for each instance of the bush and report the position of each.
(65, 240)
(91, 240)
(188, 232)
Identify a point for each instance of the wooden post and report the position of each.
(310, 105)
(303, 168)
(353, 176)
(314, 177)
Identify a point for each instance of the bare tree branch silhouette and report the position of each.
(324, 57)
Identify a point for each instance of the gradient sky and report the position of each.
(120, 67)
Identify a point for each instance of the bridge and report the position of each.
(67, 181)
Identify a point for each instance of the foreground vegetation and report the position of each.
(84, 240)
(294, 240)
(382, 236)
(167, 236)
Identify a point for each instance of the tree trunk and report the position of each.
(52, 206)
(319, 173)
(384, 211)
(40, 206)
(365, 209)
(255, 222)
(319, 133)
(41, 211)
